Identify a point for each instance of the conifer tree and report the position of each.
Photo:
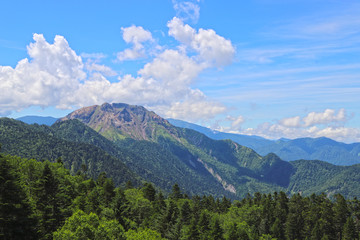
(216, 232)
(176, 193)
(149, 192)
(185, 213)
(276, 229)
(349, 231)
(16, 221)
(47, 202)
(193, 232)
(233, 232)
(341, 213)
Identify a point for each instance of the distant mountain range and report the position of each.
(323, 148)
(131, 143)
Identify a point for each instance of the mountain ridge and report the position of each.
(170, 155)
(321, 148)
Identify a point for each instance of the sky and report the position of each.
(272, 68)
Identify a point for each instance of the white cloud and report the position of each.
(135, 35)
(195, 106)
(328, 116)
(212, 49)
(172, 68)
(51, 75)
(291, 122)
(96, 56)
(186, 10)
(236, 122)
(56, 76)
(314, 124)
(94, 67)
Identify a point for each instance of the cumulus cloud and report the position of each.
(212, 49)
(236, 122)
(172, 68)
(51, 75)
(187, 10)
(315, 124)
(93, 66)
(328, 116)
(54, 75)
(291, 122)
(135, 35)
(195, 106)
(315, 118)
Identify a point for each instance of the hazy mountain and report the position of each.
(193, 157)
(38, 119)
(253, 142)
(324, 149)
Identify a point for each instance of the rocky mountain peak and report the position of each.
(119, 120)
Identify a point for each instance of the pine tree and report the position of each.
(233, 232)
(185, 213)
(276, 229)
(120, 205)
(349, 231)
(216, 231)
(193, 232)
(108, 191)
(149, 192)
(204, 222)
(176, 193)
(341, 213)
(16, 221)
(47, 203)
(295, 221)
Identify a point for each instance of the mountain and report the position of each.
(44, 143)
(38, 119)
(194, 160)
(252, 141)
(324, 149)
(130, 143)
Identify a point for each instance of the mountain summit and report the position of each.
(117, 121)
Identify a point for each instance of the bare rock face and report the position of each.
(119, 120)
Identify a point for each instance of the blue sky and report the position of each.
(272, 68)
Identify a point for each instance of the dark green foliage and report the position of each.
(349, 231)
(60, 206)
(149, 192)
(199, 164)
(59, 141)
(47, 202)
(216, 231)
(16, 215)
(176, 193)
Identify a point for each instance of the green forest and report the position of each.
(42, 200)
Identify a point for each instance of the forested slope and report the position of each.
(41, 200)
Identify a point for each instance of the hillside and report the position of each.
(43, 201)
(323, 149)
(140, 145)
(238, 169)
(41, 143)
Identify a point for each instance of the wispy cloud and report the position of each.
(187, 10)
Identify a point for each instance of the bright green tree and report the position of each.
(88, 226)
